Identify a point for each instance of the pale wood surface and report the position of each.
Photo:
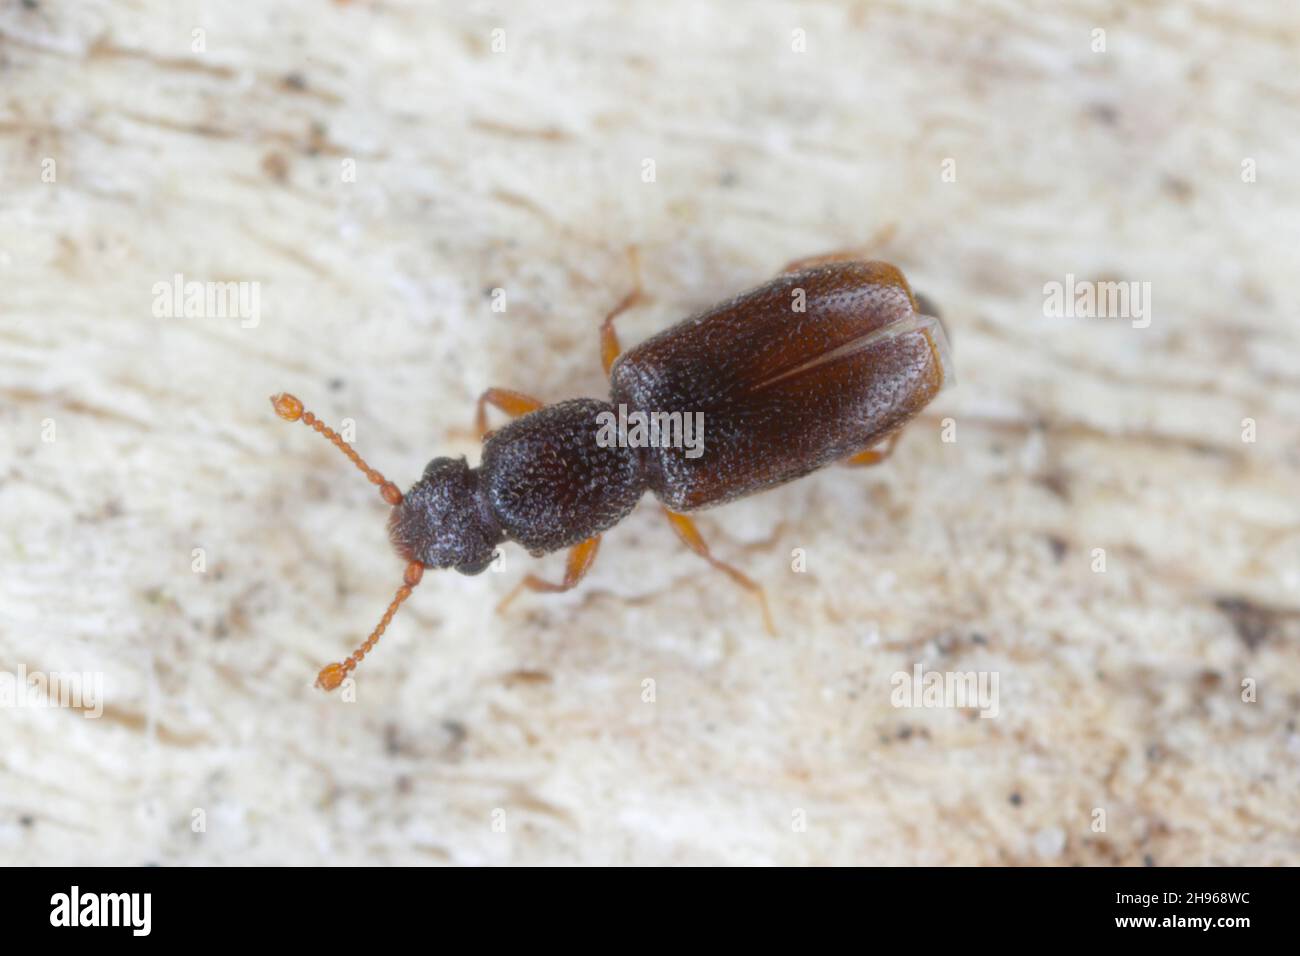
(522, 170)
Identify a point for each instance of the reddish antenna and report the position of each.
(331, 675)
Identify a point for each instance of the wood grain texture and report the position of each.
(523, 170)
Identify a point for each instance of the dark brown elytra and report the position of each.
(819, 365)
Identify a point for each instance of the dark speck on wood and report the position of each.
(1253, 623)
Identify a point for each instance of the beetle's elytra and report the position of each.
(819, 365)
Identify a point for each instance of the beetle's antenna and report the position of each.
(290, 409)
(331, 675)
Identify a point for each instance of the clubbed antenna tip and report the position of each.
(290, 409)
(332, 675)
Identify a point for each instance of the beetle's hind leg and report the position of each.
(609, 347)
(873, 456)
(581, 557)
(692, 538)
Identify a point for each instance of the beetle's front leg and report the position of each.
(512, 403)
(609, 347)
(581, 557)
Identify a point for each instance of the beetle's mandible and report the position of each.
(822, 364)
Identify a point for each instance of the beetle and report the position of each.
(824, 363)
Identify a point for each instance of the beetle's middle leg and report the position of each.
(581, 557)
(692, 538)
(609, 347)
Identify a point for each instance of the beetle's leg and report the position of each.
(873, 456)
(692, 538)
(513, 404)
(609, 347)
(863, 252)
(581, 556)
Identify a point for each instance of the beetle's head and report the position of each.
(441, 521)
